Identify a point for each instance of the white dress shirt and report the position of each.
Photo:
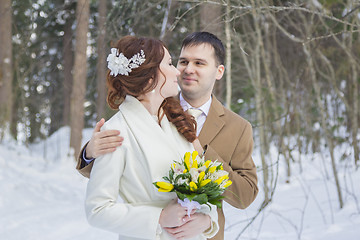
(204, 108)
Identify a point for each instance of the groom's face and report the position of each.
(198, 71)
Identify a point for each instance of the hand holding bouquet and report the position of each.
(196, 181)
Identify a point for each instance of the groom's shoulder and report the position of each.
(233, 119)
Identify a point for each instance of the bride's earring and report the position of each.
(150, 82)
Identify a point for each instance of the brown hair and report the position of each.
(137, 82)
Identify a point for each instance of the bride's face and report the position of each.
(168, 74)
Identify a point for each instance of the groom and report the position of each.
(224, 135)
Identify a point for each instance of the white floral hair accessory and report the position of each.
(119, 64)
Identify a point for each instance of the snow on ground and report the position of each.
(42, 195)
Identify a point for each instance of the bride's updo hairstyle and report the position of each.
(138, 82)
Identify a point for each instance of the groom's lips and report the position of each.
(187, 79)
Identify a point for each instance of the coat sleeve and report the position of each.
(103, 209)
(83, 168)
(242, 170)
(212, 212)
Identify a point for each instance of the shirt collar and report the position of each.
(205, 108)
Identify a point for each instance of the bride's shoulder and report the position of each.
(116, 122)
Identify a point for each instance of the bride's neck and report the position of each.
(152, 102)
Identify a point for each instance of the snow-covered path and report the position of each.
(42, 198)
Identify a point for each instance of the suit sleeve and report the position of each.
(83, 168)
(242, 170)
(105, 212)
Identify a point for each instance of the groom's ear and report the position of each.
(220, 72)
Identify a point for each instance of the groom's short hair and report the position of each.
(197, 38)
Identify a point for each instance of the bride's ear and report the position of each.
(151, 83)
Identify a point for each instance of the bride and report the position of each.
(141, 84)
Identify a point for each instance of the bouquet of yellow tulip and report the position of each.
(196, 181)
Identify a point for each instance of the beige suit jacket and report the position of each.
(228, 138)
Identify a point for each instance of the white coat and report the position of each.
(144, 157)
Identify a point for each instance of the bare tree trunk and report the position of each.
(272, 91)
(282, 91)
(170, 18)
(101, 61)
(165, 20)
(255, 77)
(80, 72)
(6, 70)
(355, 99)
(68, 65)
(211, 21)
(323, 116)
(256, 80)
(228, 55)
(253, 66)
(323, 112)
(352, 104)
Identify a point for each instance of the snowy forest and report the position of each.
(292, 70)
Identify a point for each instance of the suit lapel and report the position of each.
(213, 123)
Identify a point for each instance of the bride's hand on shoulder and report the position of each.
(102, 142)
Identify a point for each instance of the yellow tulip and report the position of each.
(195, 165)
(164, 186)
(201, 176)
(187, 160)
(185, 171)
(193, 186)
(220, 179)
(207, 163)
(173, 166)
(203, 183)
(194, 155)
(212, 169)
(228, 183)
(163, 190)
